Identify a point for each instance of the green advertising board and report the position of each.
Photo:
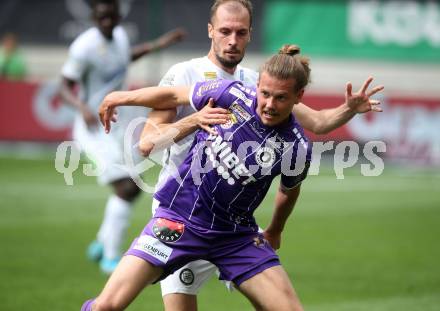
(390, 30)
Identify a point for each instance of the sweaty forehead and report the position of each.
(231, 14)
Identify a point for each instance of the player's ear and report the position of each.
(210, 30)
(300, 94)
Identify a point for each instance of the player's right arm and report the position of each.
(67, 94)
(73, 71)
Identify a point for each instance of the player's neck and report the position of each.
(214, 60)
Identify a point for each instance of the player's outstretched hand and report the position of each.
(211, 115)
(107, 111)
(361, 102)
(171, 37)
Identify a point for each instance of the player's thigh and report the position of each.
(271, 290)
(180, 302)
(188, 279)
(131, 275)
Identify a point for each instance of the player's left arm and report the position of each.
(285, 200)
(165, 40)
(326, 120)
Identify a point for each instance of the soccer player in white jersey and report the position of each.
(98, 62)
(229, 30)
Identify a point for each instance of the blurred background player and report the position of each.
(98, 62)
(229, 29)
(12, 64)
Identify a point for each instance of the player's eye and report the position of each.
(225, 32)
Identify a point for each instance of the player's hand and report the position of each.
(171, 37)
(274, 239)
(107, 111)
(360, 102)
(89, 117)
(210, 115)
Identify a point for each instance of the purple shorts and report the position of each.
(170, 242)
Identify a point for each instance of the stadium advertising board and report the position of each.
(409, 126)
(392, 30)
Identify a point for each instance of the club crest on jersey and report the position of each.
(210, 75)
(265, 157)
(231, 121)
(167, 230)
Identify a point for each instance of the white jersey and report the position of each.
(97, 64)
(100, 66)
(188, 73)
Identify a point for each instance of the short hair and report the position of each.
(245, 3)
(94, 3)
(288, 64)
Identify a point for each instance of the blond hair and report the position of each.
(289, 64)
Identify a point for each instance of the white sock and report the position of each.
(114, 226)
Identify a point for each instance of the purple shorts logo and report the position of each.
(167, 230)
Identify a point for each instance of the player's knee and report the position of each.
(127, 190)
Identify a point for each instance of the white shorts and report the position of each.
(191, 277)
(106, 151)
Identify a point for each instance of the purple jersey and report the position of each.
(225, 177)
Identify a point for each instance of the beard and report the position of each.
(228, 63)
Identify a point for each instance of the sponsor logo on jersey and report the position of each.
(239, 111)
(186, 276)
(210, 75)
(168, 80)
(230, 123)
(248, 90)
(265, 157)
(239, 94)
(207, 87)
(229, 166)
(153, 247)
(167, 230)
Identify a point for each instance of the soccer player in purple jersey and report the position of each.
(229, 30)
(206, 212)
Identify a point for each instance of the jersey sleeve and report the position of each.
(299, 165)
(218, 90)
(76, 65)
(290, 182)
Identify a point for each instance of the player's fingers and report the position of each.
(218, 110)
(210, 102)
(209, 129)
(366, 84)
(348, 89)
(217, 116)
(375, 90)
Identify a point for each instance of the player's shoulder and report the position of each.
(247, 75)
(85, 42)
(183, 73)
(119, 33)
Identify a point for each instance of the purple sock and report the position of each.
(87, 306)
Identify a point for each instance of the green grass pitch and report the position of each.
(362, 243)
